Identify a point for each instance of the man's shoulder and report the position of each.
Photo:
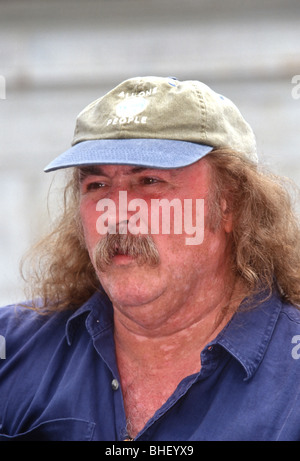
(19, 322)
(23, 313)
(13, 315)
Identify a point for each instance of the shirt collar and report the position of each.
(247, 335)
(98, 313)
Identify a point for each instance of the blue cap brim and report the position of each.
(150, 153)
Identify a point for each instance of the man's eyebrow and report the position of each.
(92, 170)
(97, 170)
(139, 169)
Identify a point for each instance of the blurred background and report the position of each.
(57, 56)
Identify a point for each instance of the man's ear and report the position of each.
(226, 216)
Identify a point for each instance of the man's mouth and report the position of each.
(122, 256)
(122, 249)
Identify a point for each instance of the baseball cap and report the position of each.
(156, 122)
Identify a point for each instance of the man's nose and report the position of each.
(120, 198)
(115, 209)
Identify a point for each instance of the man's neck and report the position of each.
(153, 361)
(182, 335)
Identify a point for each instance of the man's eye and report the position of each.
(94, 186)
(150, 180)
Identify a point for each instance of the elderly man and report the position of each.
(164, 303)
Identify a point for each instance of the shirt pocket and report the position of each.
(60, 430)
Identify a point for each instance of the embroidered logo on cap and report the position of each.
(128, 110)
(131, 107)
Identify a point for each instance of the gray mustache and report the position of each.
(140, 247)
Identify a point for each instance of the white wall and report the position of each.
(56, 57)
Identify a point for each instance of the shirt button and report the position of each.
(115, 385)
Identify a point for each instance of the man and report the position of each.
(164, 303)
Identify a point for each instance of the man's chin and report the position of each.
(127, 283)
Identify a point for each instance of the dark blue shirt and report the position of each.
(59, 380)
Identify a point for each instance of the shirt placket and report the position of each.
(104, 345)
